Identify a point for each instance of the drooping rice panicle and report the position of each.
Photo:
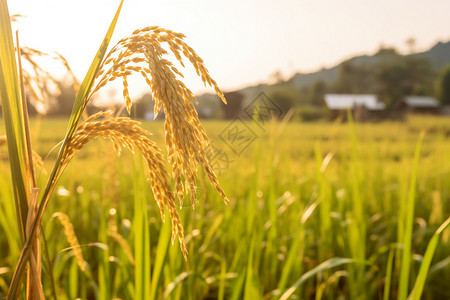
(39, 83)
(71, 237)
(123, 244)
(126, 94)
(186, 140)
(127, 133)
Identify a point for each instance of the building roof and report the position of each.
(421, 101)
(344, 101)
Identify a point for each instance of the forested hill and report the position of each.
(438, 55)
(388, 74)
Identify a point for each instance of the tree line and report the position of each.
(391, 79)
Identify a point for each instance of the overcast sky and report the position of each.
(242, 42)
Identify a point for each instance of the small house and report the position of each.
(362, 106)
(420, 105)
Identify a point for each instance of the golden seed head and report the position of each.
(39, 83)
(142, 53)
(186, 141)
(126, 133)
(123, 244)
(71, 237)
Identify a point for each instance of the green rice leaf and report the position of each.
(417, 290)
(81, 99)
(331, 263)
(160, 258)
(80, 103)
(13, 118)
(409, 222)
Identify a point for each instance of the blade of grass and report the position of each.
(48, 265)
(357, 228)
(251, 290)
(104, 268)
(387, 283)
(161, 254)
(409, 222)
(30, 168)
(13, 112)
(325, 199)
(238, 287)
(142, 235)
(297, 249)
(417, 290)
(331, 263)
(10, 96)
(34, 281)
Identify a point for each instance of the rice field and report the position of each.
(317, 211)
(297, 211)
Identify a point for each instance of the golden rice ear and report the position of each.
(127, 133)
(16, 17)
(186, 140)
(37, 159)
(123, 244)
(39, 83)
(126, 94)
(71, 237)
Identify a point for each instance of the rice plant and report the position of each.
(318, 211)
(186, 140)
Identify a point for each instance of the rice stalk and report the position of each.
(408, 226)
(34, 286)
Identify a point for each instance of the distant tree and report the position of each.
(411, 43)
(287, 96)
(383, 50)
(283, 99)
(317, 92)
(402, 77)
(353, 79)
(443, 86)
(277, 77)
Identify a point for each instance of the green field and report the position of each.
(321, 210)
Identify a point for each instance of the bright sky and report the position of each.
(242, 42)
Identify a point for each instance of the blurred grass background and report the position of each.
(301, 194)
